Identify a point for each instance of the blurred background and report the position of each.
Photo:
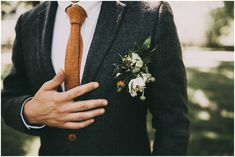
(206, 31)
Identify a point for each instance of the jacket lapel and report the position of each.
(45, 26)
(107, 27)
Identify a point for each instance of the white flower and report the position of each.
(139, 64)
(136, 85)
(132, 89)
(146, 76)
(136, 70)
(127, 58)
(136, 60)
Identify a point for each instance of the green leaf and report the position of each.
(121, 56)
(147, 43)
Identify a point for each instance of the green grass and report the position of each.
(212, 135)
(14, 143)
(212, 123)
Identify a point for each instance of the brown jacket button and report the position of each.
(72, 137)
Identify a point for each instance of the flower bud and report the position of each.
(152, 79)
(142, 98)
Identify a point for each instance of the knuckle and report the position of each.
(46, 84)
(96, 103)
(90, 115)
(99, 102)
(57, 78)
(55, 100)
(78, 90)
(58, 119)
(83, 107)
(75, 93)
(61, 109)
(81, 117)
(60, 98)
(70, 95)
(61, 124)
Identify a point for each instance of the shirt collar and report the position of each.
(87, 5)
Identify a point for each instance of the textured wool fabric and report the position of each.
(74, 49)
(122, 129)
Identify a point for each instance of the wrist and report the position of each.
(28, 112)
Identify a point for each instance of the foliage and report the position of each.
(212, 125)
(14, 143)
(221, 19)
(9, 8)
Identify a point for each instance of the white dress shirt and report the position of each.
(62, 30)
(61, 34)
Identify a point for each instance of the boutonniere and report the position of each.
(132, 73)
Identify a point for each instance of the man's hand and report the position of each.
(58, 109)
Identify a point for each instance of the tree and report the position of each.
(10, 7)
(221, 19)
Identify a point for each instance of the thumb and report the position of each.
(56, 81)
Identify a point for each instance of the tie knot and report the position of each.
(76, 14)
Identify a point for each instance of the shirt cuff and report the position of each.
(24, 121)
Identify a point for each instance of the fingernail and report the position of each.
(92, 121)
(105, 102)
(96, 84)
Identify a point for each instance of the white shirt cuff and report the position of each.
(22, 117)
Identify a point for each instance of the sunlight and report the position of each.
(227, 73)
(206, 59)
(227, 114)
(201, 99)
(211, 135)
(203, 115)
(198, 97)
(192, 31)
(35, 145)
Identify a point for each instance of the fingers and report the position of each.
(56, 81)
(79, 91)
(85, 105)
(82, 119)
(82, 116)
(78, 125)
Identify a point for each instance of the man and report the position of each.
(85, 115)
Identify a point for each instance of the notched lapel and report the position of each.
(107, 27)
(45, 26)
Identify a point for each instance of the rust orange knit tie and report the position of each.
(74, 48)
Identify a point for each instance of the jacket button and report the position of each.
(72, 137)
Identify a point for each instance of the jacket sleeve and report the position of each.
(167, 96)
(16, 88)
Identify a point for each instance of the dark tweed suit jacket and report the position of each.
(122, 129)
